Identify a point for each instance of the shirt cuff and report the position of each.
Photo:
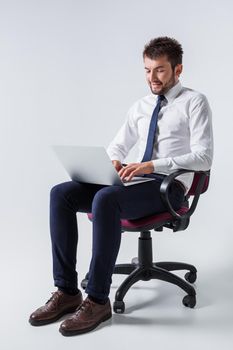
(116, 157)
(161, 165)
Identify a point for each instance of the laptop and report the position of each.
(90, 164)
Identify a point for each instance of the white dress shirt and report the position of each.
(184, 137)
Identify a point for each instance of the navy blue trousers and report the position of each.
(108, 205)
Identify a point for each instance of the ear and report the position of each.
(178, 70)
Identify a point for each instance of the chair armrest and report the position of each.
(165, 185)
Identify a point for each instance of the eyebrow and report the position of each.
(156, 67)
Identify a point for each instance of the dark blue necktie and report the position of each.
(152, 131)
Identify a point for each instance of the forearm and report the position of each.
(190, 161)
(116, 152)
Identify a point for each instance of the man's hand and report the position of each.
(133, 169)
(117, 164)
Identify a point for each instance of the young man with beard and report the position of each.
(172, 126)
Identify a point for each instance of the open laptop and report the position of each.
(90, 164)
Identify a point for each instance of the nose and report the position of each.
(153, 76)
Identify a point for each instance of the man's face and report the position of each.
(160, 75)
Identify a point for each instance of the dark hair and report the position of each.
(164, 46)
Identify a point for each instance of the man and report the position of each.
(172, 126)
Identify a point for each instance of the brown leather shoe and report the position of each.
(86, 318)
(57, 306)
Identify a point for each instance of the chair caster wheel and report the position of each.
(189, 301)
(191, 277)
(134, 261)
(84, 283)
(119, 307)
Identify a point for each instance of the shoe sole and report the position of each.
(76, 332)
(51, 320)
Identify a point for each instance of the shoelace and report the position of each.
(83, 307)
(54, 297)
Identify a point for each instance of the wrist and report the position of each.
(151, 165)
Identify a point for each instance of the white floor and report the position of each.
(154, 317)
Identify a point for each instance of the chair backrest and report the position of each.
(195, 182)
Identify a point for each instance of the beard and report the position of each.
(164, 86)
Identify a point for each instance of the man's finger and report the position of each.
(124, 174)
(125, 171)
(127, 166)
(132, 174)
(122, 171)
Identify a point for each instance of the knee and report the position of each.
(105, 197)
(55, 192)
(59, 191)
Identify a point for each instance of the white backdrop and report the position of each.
(69, 71)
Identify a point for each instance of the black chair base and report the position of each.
(144, 269)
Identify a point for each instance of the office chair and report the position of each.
(143, 268)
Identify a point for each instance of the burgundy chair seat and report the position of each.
(147, 222)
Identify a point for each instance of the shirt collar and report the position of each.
(173, 92)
